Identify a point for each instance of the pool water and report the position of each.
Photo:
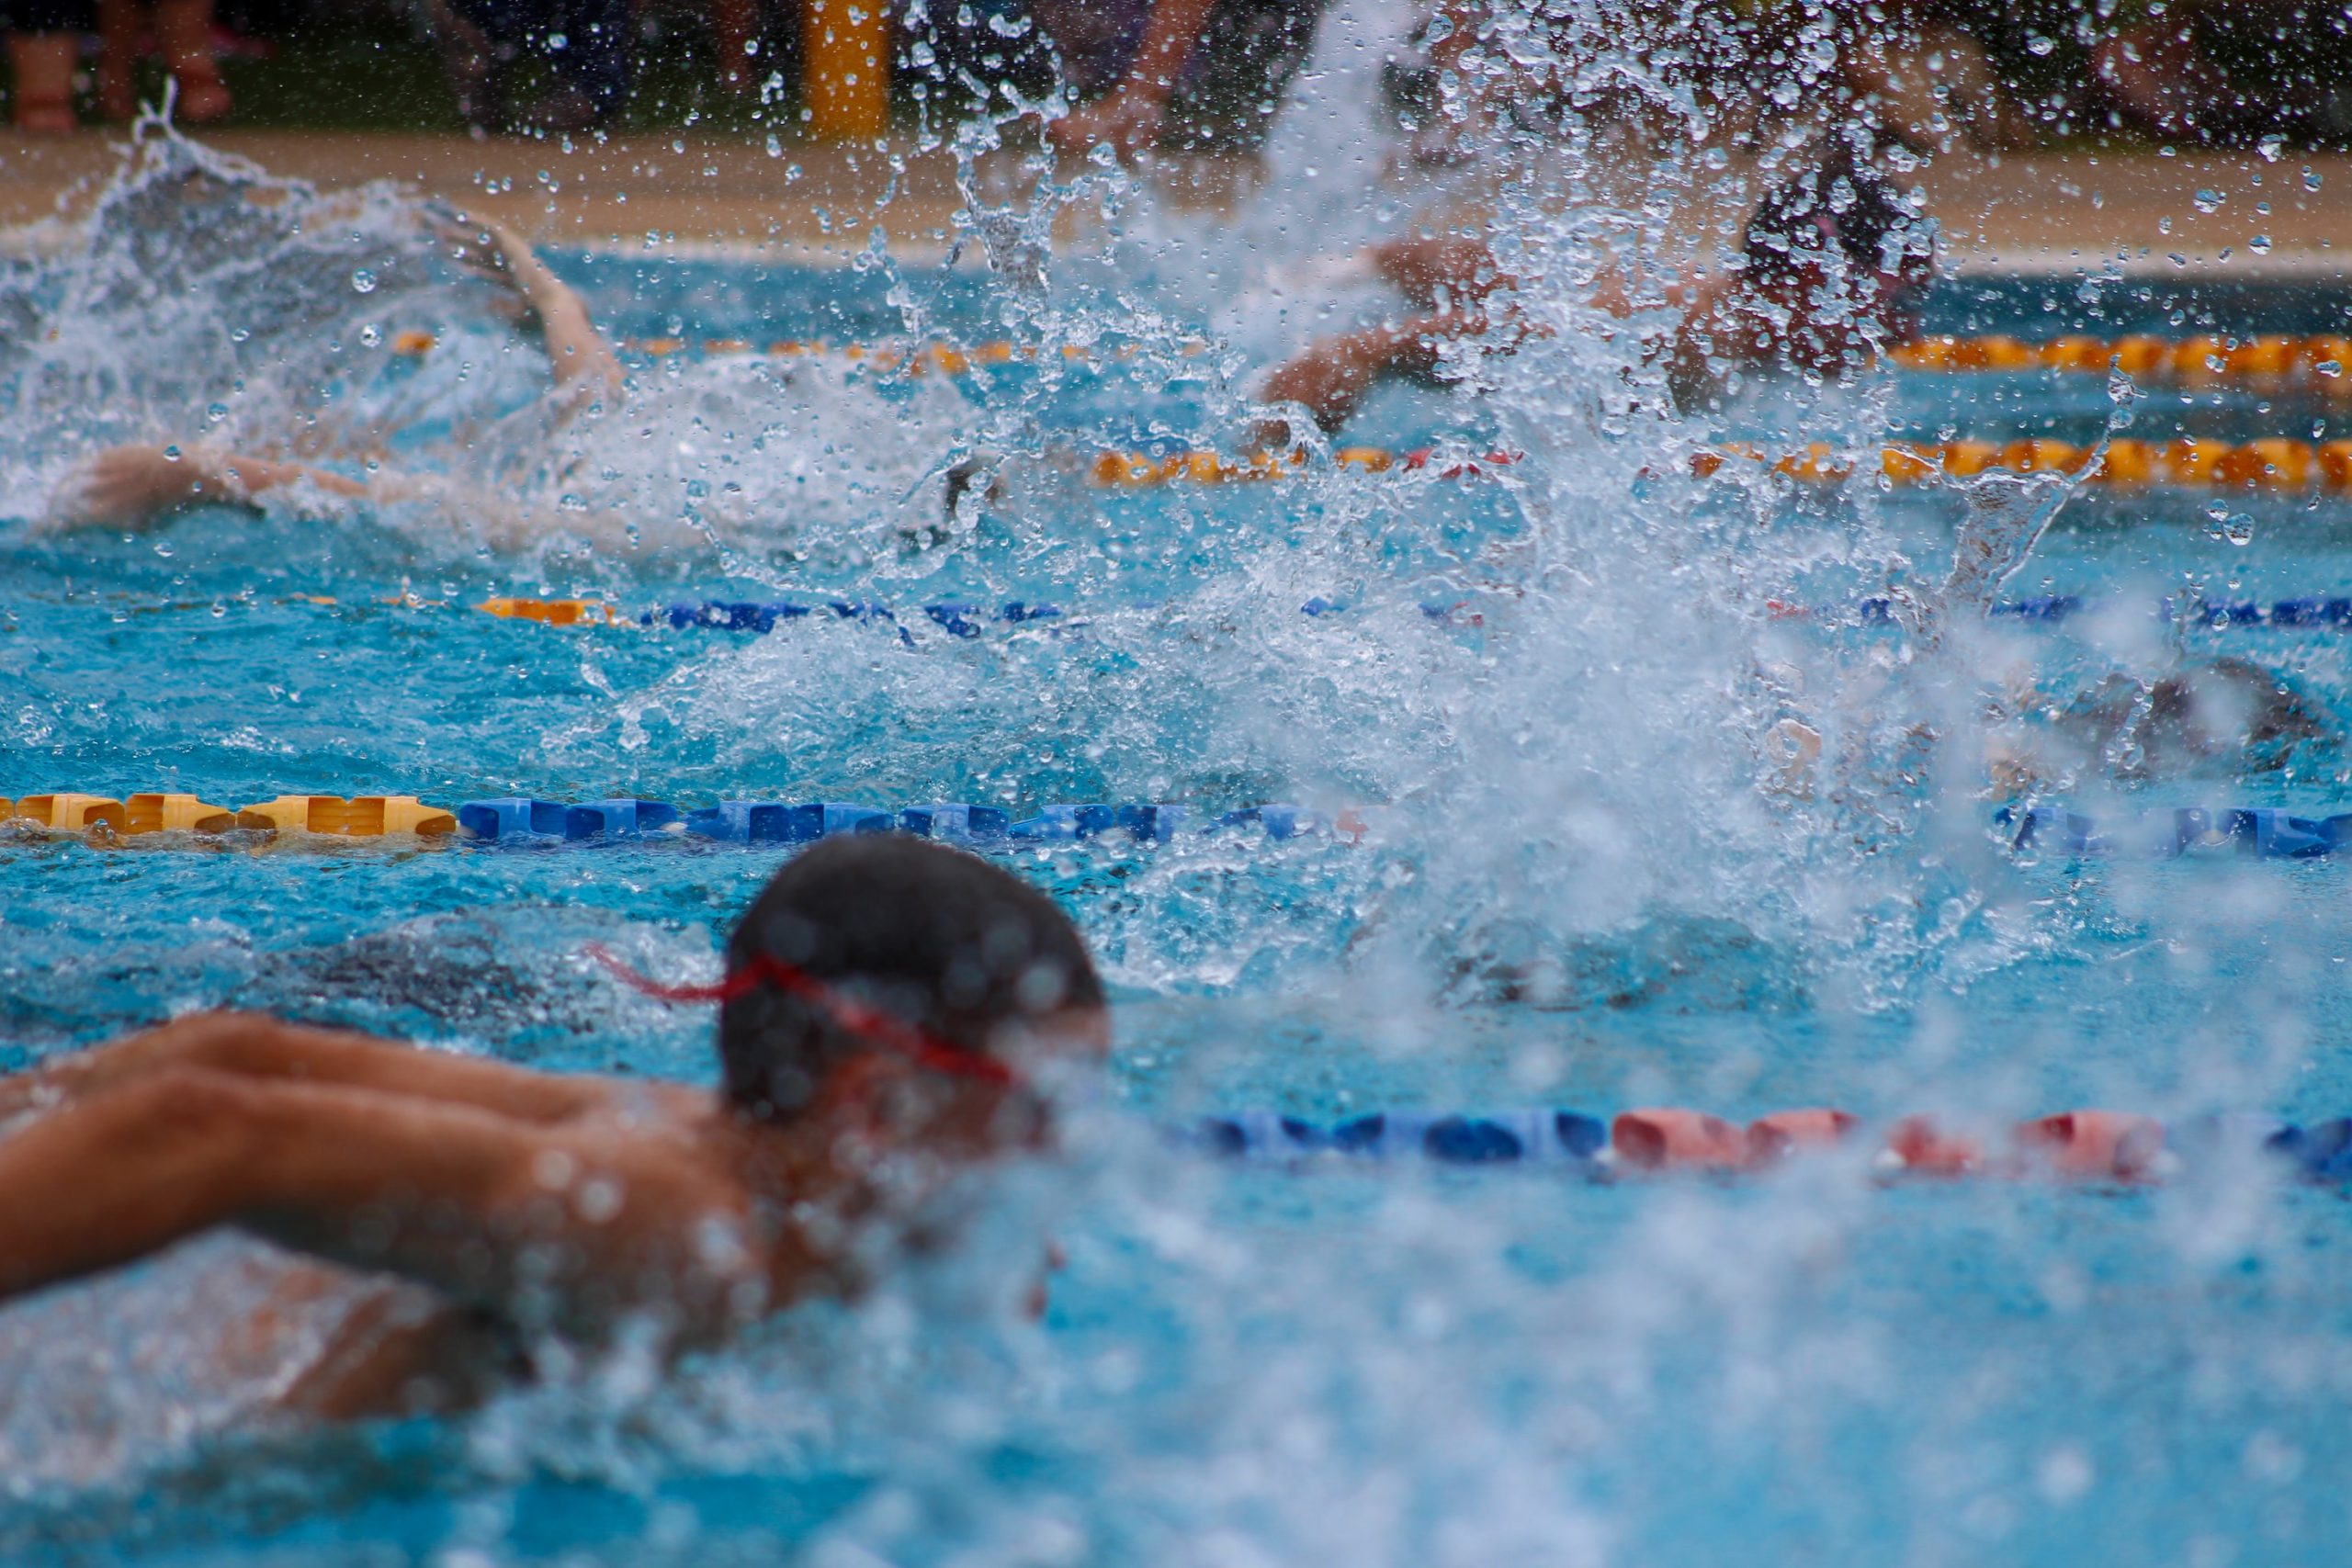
(1574, 893)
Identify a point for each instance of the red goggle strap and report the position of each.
(918, 1045)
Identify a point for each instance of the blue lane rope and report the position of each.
(971, 619)
(1579, 1143)
(1511, 1136)
(2334, 613)
(958, 619)
(521, 820)
(2256, 832)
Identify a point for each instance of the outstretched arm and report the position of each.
(1335, 374)
(541, 1225)
(577, 353)
(131, 487)
(256, 1047)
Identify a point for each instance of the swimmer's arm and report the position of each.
(255, 1047)
(577, 351)
(1334, 375)
(557, 1226)
(1464, 268)
(130, 487)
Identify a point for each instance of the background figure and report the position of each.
(43, 36)
(581, 51)
(1924, 79)
(184, 38)
(1172, 91)
(2234, 73)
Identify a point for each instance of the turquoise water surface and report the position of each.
(1574, 894)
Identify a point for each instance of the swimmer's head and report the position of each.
(1841, 227)
(964, 974)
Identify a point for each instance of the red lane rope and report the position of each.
(917, 1044)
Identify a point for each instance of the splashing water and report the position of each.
(1603, 870)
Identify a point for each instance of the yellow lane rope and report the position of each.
(2266, 359)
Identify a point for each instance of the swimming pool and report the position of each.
(1572, 893)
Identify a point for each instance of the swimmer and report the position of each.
(137, 486)
(2222, 714)
(889, 1007)
(1832, 264)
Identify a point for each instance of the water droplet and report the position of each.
(2234, 527)
(216, 412)
(572, 503)
(171, 454)
(2209, 200)
(363, 282)
(370, 337)
(2040, 46)
(2259, 244)
(2310, 179)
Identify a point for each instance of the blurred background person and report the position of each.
(1924, 80)
(2201, 72)
(183, 38)
(577, 58)
(44, 45)
(1168, 87)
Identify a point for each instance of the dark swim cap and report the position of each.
(940, 941)
(1839, 209)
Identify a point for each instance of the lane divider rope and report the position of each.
(2268, 359)
(2102, 1146)
(521, 820)
(959, 618)
(2204, 359)
(948, 359)
(2274, 463)
(966, 619)
(2331, 613)
(2256, 832)
(2188, 462)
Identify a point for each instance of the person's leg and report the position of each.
(1226, 99)
(185, 29)
(469, 54)
(119, 27)
(599, 57)
(736, 26)
(42, 45)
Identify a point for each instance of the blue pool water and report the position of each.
(1574, 893)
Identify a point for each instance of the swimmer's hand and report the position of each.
(497, 254)
(1461, 268)
(1333, 375)
(129, 486)
(136, 486)
(1125, 119)
(491, 252)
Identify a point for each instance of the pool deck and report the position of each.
(2041, 212)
